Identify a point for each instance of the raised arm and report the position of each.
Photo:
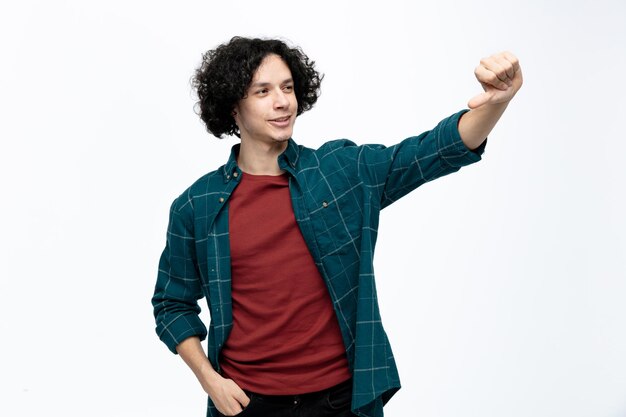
(501, 77)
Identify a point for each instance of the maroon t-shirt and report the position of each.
(285, 337)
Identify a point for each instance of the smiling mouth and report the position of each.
(281, 119)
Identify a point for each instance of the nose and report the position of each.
(281, 101)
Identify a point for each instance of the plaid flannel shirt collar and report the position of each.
(290, 157)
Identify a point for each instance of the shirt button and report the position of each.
(228, 177)
(221, 199)
(324, 204)
(235, 174)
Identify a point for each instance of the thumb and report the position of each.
(479, 100)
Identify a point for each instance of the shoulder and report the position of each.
(336, 147)
(343, 151)
(333, 146)
(210, 183)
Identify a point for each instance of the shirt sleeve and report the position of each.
(394, 171)
(178, 286)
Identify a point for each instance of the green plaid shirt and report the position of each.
(337, 193)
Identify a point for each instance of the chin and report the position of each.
(280, 139)
(283, 137)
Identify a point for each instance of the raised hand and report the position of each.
(500, 76)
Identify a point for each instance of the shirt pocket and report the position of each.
(336, 212)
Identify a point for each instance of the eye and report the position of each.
(288, 88)
(262, 91)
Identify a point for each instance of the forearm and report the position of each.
(190, 350)
(228, 397)
(476, 124)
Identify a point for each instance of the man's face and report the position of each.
(268, 111)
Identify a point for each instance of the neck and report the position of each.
(260, 158)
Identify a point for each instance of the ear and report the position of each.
(235, 114)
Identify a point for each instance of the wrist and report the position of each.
(209, 379)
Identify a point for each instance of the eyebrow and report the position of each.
(265, 84)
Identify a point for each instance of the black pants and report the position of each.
(332, 402)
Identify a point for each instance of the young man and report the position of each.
(280, 239)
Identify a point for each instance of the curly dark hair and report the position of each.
(226, 73)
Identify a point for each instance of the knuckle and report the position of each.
(512, 58)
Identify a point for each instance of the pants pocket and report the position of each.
(340, 397)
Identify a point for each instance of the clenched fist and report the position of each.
(500, 76)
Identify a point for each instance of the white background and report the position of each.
(502, 287)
